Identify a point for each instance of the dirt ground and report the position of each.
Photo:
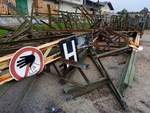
(38, 95)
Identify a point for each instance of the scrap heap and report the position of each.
(100, 37)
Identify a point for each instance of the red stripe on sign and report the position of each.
(27, 70)
(28, 67)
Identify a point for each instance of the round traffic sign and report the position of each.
(26, 62)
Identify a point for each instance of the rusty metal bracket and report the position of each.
(75, 64)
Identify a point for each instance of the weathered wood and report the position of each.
(71, 30)
(128, 74)
(9, 28)
(112, 52)
(79, 91)
(121, 85)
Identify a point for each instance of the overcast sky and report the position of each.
(130, 5)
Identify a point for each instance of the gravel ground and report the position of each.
(45, 92)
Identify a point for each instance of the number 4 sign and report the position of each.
(26, 62)
(69, 49)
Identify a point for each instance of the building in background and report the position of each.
(41, 6)
(22, 6)
(4, 10)
(70, 5)
(91, 6)
(25, 6)
(106, 8)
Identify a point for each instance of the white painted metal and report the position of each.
(79, 2)
(29, 2)
(70, 5)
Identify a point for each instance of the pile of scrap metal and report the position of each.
(36, 31)
(125, 21)
(92, 34)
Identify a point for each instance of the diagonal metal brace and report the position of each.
(104, 73)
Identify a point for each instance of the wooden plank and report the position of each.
(128, 72)
(5, 78)
(72, 30)
(4, 65)
(112, 52)
(79, 91)
(121, 85)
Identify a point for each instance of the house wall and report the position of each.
(29, 2)
(70, 6)
(67, 7)
(105, 10)
(42, 6)
(10, 20)
(79, 2)
(3, 8)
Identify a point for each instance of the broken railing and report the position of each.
(51, 53)
(93, 34)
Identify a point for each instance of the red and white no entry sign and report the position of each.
(26, 62)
